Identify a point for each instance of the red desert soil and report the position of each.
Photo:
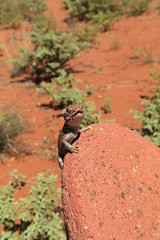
(115, 67)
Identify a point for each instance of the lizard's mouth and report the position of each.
(74, 114)
(76, 118)
(79, 113)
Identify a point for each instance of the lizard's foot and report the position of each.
(85, 129)
(75, 149)
(60, 162)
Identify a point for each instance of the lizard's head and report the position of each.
(74, 114)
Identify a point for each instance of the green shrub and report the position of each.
(156, 75)
(2, 117)
(101, 12)
(85, 9)
(90, 117)
(11, 125)
(46, 24)
(30, 9)
(86, 35)
(12, 12)
(51, 50)
(46, 88)
(104, 12)
(137, 7)
(89, 89)
(145, 54)
(66, 96)
(107, 106)
(49, 56)
(150, 118)
(65, 93)
(37, 216)
(57, 84)
(9, 15)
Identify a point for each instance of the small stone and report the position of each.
(134, 169)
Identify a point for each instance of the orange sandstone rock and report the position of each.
(111, 188)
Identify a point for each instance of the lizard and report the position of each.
(71, 130)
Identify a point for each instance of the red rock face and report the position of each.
(111, 188)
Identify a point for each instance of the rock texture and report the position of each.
(111, 188)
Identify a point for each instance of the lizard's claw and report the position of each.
(75, 149)
(85, 129)
(89, 128)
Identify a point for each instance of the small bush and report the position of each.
(49, 56)
(100, 12)
(66, 82)
(37, 216)
(115, 44)
(145, 54)
(89, 89)
(90, 117)
(65, 93)
(13, 12)
(86, 35)
(46, 88)
(137, 7)
(107, 106)
(11, 125)
(150, 118)
(30, 10)
(2, 117)
(104, 13)
(156, 75)
(66, 96)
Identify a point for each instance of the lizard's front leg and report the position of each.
(67, 140)
(69, 147)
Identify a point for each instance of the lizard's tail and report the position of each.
(60, 162)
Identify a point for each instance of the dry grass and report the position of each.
(11, 125)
